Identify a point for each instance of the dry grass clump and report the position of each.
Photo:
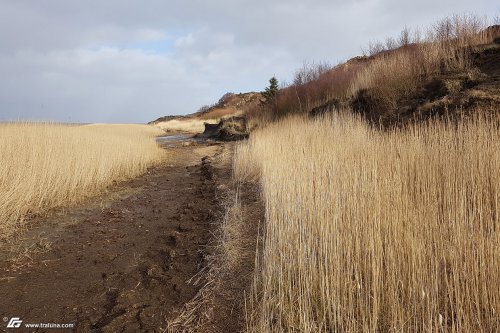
(191, 125)
(52, 165)
(370, 231)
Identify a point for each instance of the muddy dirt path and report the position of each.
(120, 263)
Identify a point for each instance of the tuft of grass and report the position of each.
(376, 231)
(52, 165)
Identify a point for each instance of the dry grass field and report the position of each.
(376, 231)
(190, 125)
(51, 165)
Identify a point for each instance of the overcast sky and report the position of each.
(134, 61)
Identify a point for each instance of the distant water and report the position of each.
(170, 141)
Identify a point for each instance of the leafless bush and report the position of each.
(390, 43)
(204, 108)
(404, 37)
(310, 71)
(225, 98)
(374, 47)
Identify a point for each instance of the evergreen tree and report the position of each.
(271, 91)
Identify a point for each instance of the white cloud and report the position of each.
(131, 61)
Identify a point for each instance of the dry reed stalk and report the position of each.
(370, 231)
(194, 125)
(51, 165)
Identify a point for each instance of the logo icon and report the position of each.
(14, 322)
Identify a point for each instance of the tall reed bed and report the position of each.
(50, 165)
(370, 231)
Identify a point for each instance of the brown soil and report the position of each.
(122, 262)
(222, 305)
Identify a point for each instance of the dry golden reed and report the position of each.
(50, 165)
(193, 125)
(370, 231)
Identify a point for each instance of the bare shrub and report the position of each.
(225, 98)
(404, 37)
(310, 71)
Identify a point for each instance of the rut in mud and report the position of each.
(121, 265)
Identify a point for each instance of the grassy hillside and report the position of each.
(229, 105)
(455, 66)
(450, 68)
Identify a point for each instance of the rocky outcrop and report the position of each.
(230, 129)
(329, 107)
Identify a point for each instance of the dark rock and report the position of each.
(328, 107)
(230, 129)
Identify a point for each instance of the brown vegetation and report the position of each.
(370, 231)
(50, 165)
(230, 105)
(392, 81)
(392, 230)
(185, 125)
